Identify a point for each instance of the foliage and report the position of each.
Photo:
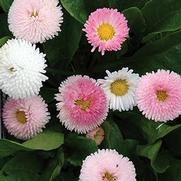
(154, 43)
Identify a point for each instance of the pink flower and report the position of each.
(106, 29)
(82, 104)
(159, 95)
(35, 20)
(107, 165)
(25, 118)
(97, 135)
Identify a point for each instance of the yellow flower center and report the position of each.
(84, 105)
(12, 69)
(119, 87)
(161, 95)
(21, 117)
(34, 13)
(105, 31)
(109, 177)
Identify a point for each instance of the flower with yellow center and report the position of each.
(21, 117)
(105, 31)
(161, 95)
(120, 87)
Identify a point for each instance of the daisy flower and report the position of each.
(35, 20)
(107, 165)
(25, 118)
(21, 69)
(97, 135)
(82, 104)
(106, 29)
(120, 87)
(159, 95)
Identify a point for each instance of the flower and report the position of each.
(97, 135)
(106, 29)
(25, 118)
(35, 20)
(120, 87)
(21, 69)
(159, 95)
(107, 165)
(82, 104)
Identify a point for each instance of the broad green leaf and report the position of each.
(5, 4)
(3, 40)
(61, 49)
(162, 16)
(121, 4)
(23, 167)
(149, 130)
(161, 54)
(113, 136)
(173, 142)
(79, 147)
(8, 147)
(47, 140)
(173, 173)
(4, 29)
(54, 167)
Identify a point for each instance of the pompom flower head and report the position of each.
(120, 87)
(106, 29)
(35, 20)
(107, 165)
(21, 69)
(82, 104)
(25, 118)
(159, 95)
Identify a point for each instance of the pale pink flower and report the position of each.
(97, 135)
(82, 104)
(25, 118)
(106, 29)
(159, 95)
(107, 165)
(35, 20)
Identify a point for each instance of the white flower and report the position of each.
(21, 69)
(120, 87)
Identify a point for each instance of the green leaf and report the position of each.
(160, 54)
(61, 49)
(173, 173)
(76, 8)
(8, 147)
(121, 5)
(79, 147)
(47, 140)
(136, 21)
(54, 167)
(113, 136)
(3, 40)
(151, 131)
(5, 4)
(23, 167)
(162, 16)
(149, 151)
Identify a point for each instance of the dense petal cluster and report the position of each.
(107, 165)
(159, 95)
(106, 29)
(25, 118)
(35, 20)
(22, 69)
(82, 104)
